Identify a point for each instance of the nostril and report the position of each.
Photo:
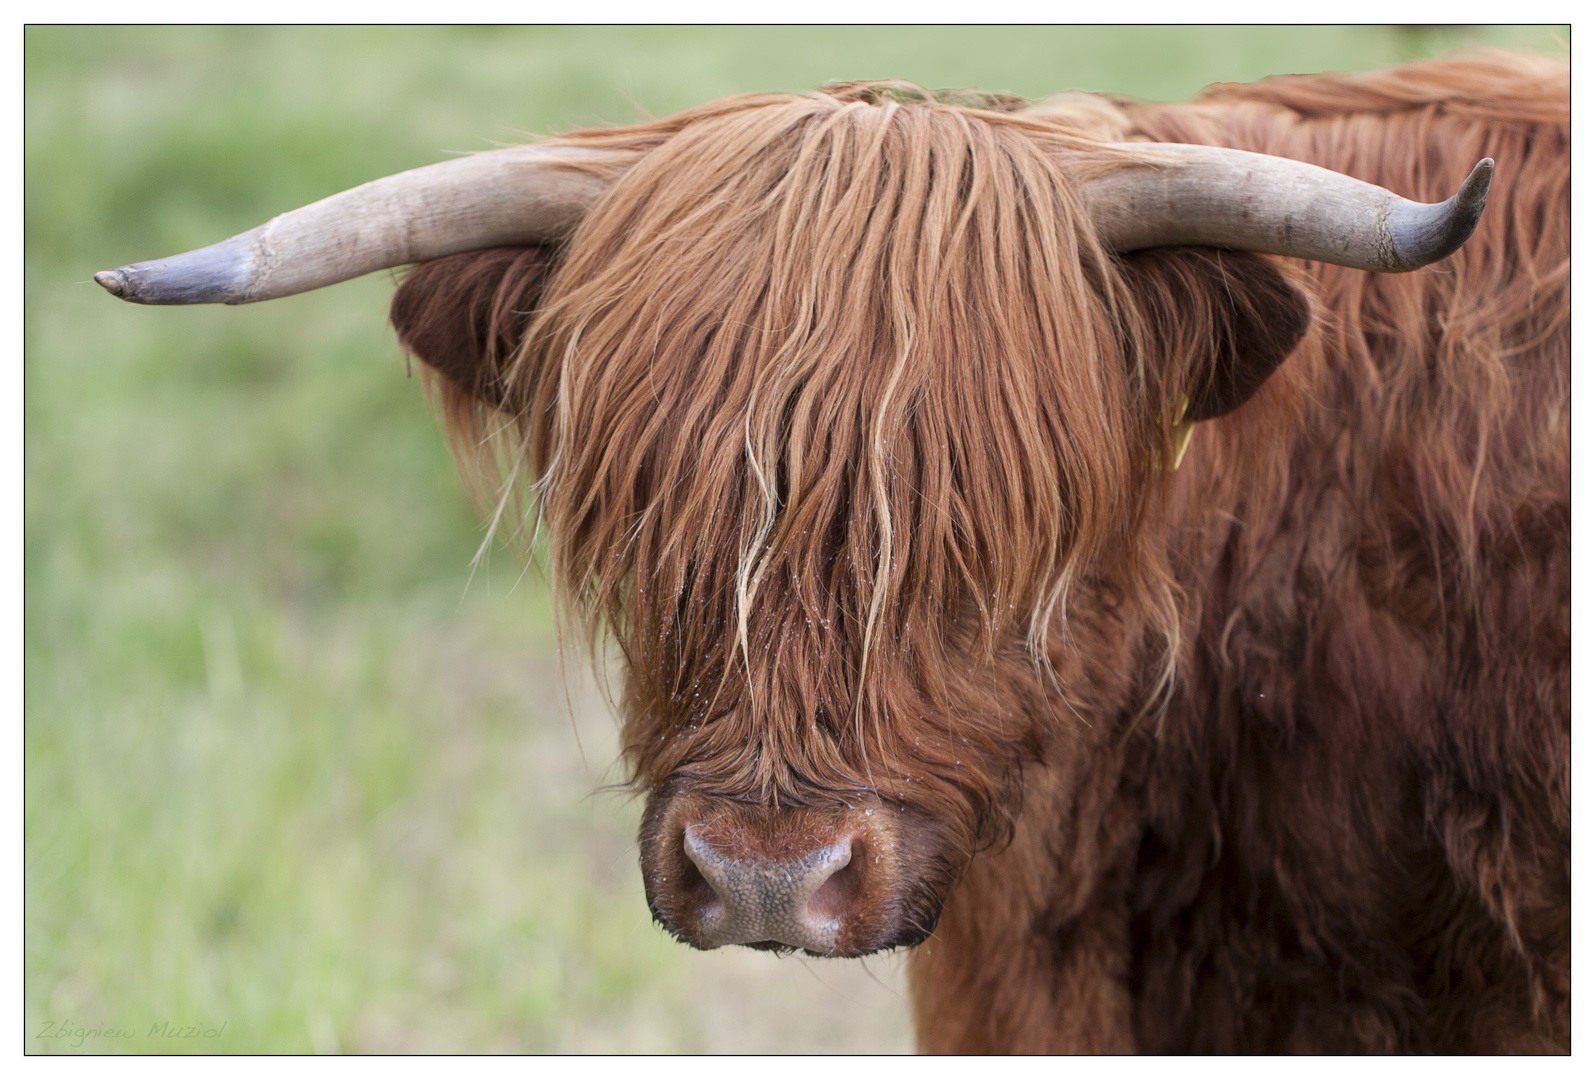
(698, 891)
(840, 892)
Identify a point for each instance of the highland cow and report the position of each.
(1056, 538)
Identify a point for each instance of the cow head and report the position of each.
(838, 408)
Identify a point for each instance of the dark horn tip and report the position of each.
(1424, 233)
(111, 281)
(1477, 185)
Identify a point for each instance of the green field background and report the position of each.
(295, 778)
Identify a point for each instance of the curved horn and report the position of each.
(1208, 196)
(520, 195)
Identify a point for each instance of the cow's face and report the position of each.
(830, 436)
(838, 410)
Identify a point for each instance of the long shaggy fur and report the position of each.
(847, 428)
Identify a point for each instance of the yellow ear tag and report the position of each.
(1183, 430)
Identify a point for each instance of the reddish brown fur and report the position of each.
(842, 419)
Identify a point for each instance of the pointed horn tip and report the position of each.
(112, 281)
(1477, 185)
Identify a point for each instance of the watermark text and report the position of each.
(78, 1034)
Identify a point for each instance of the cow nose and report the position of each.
(763, 899)
(832, 880)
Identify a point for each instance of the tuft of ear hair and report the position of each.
(1220, 322)
(463, 316)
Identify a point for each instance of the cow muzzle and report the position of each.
(829, 881)
(790, 901)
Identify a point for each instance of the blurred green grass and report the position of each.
(283, 769)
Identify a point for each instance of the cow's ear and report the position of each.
(463, 315)
(1220, 322)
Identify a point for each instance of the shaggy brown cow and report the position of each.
(856, 418)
